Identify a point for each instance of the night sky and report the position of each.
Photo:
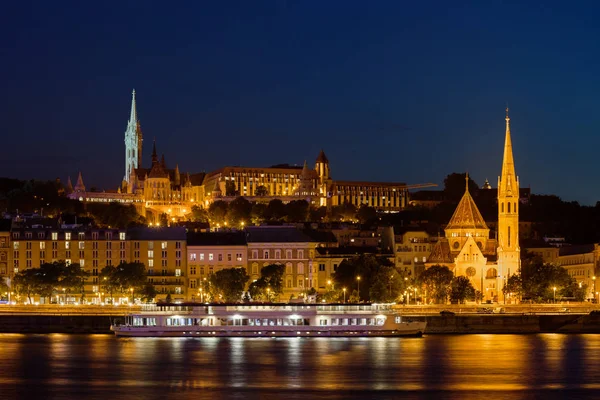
(391, 90)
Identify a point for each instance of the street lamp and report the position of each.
(390, 284)
(344, 290)
(554, 288)
(358, 283)
(65, 296)
(269, 294)
(329, 284)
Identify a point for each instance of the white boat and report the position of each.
(267, 320)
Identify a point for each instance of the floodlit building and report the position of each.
(210, 252)
(467, 248)
(159, 189)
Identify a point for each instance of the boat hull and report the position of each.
(408, 329)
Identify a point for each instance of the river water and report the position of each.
(61, 366)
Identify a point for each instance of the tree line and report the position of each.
(62, 279)
(241, 211)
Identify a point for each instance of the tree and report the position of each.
(229, 283)
(514, 286)
(199, 214)
(108, 280)
(73, 278)
(344, 212)
(540, 278)
(258, 213)
(3, 286)
(168, 299)
(261, 191)
(239, 211)
(163, 219)
(296, 211)
(275, 210)
(148, 292)
(217, 212)
(317, 214)
(436, 280)
(27, 283)
(386, 285)
(230, 189)
(366, 214)
(131, 278)
(270, 283)
(365, 267)
(461, 289)
(454, 186)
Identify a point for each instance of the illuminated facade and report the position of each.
(509, 253)
(209, 253)
(161, 250)
(159, 190)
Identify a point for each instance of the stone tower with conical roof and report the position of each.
(509, 253)
(133, 143)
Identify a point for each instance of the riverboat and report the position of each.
(267, 320)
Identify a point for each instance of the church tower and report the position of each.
(133, 143)
(509, 257)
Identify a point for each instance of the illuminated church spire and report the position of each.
(509, 255)
(133, 142)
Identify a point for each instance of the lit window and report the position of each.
(210, 257)
(201, 256)
(163, 245)
(54, 235)
(67, 235)
(121, 235)
(177, 272)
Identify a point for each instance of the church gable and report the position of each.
(470, 253)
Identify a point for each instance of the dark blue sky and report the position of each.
(391, 90)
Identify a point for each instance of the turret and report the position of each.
(79, 186)
(177, 177)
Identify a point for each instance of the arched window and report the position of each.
(502, 207)
(491, 273)
(509, 207)
(509, 235)
(515, 207)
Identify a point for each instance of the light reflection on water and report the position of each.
(469, 366)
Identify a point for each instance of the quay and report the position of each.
(456, 319)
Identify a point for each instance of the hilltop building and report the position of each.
(159, 189)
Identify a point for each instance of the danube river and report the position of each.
(61, 366)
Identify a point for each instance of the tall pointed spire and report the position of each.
(154, 155)
(509, 252)
(79, 186)
(133, 142)
(467, 182)
(133, 116)
(508, 180)
(69, 185)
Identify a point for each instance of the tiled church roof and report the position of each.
(466, 215)
(441, 254)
